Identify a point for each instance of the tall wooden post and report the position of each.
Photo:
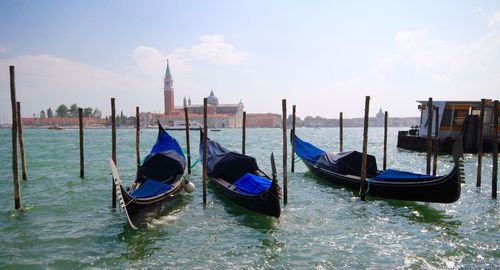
(429, 135)
(137, 137)
(205, 141)
(243, 133)
(436, 143)
(480, 144)
(15, 173)
(21, 139)
(188, 146)
(293, 139)
(494, 173)
(113, 147)
(341, 132)
(365, 149)
(386, 115)
(80, 126)
(285, 155)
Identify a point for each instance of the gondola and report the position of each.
(160, 177)
(344, 169)
(239, 178)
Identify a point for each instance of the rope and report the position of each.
(297, 159)
(195, 163)
(367, 188)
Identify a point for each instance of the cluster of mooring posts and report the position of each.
(432, 143)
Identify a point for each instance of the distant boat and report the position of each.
(180, 125)
(56, 128)
(215, 130)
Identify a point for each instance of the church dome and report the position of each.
(212, 99)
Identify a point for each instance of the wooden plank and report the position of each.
(113, 147)
(386, 115)
(480, 144)
(188, 146)
(137, 137)
(341, 132)
(243, 133)
(365, 149)
(21, 140)
(429, 136)
(205, 141)
(494, 173)
(80, 127)
(15, 173)
(436, 143)
(293, 138)
(285, 154)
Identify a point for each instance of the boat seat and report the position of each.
(226, 184)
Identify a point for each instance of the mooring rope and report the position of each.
(367, 188)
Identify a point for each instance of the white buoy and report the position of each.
(189, 187)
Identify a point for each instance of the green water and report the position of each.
(68, 223)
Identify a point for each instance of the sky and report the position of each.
(323, 56)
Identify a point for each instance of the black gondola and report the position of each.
(345, 169)
(161, 177)
(239, 178)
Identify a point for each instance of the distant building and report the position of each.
(263, 120)
(219, 115)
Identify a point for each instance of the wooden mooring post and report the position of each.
(113, 147)
(205, 141)
(429, 136)
(293, 138)
(15, 173)
(365, 149)
(436, 143)
(188, 146)
(80, 126)
(243, 133)
(480, 144)
(341, 132)
(21, 139)
(137, 137)
(285, 154)
(386, 115)
(494, 173)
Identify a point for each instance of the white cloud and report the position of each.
(213, 49)
(3, 49)
(477, 10)
(44, 81)
(494, 20)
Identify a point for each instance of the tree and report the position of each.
(50, 114)
(87, 112)
(73, 111)
(42, 114)
(97, 113)
(62, 111)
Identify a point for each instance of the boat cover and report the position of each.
(307, 151)
(164, 162)
(346, 163)
(395, 175)
(252, 184)
(151, 188)
(226, 164)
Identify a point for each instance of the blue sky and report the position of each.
(324, 56)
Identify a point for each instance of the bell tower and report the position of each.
(168, 91)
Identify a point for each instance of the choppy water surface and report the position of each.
(68, 223)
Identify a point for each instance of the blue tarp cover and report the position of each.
(252, 184)
(395, 175)
(307, 151)
(346, 163)
(226, 164)
(165, 161)
(151, 188)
